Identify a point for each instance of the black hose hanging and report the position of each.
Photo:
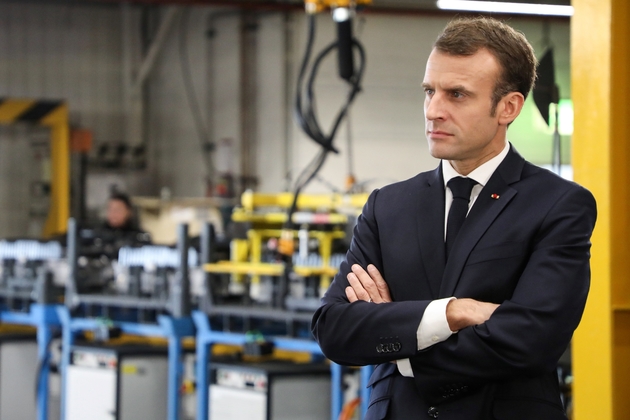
(305, 110)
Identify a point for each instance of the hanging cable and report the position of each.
(306, 117)
(305, 113)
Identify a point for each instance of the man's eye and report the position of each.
(428, 91)
(457, 95)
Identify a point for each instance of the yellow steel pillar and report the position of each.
(600, 54)
(59, 211)
(52, 114)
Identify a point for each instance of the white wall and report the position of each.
(178, 163)
(70, 52)
(74, 52)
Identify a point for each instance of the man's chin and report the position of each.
(439, 151)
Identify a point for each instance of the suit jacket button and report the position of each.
(379, 348)
(433, 412)
(397, 346)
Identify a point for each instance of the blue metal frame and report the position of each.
(44, 318)
(173, 329)
(206, 337)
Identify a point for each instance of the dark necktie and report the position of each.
(461, 188)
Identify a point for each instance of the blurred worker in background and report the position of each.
(464, 284)
(120, 228)
(120, 215)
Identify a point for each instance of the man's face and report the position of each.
(117, 213)
(459, 123)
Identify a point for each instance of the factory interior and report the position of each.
(180, 180)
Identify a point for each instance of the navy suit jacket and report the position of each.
(525, 245)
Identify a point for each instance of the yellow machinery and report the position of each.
(326, 216)
(316, 6)
(52, 114)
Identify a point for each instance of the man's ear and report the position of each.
(512, 105)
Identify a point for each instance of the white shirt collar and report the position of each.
(481, 174)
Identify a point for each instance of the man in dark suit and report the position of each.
(465, 320)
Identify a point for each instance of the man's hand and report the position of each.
(462, 313)
(368, 285)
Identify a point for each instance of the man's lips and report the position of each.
(438, 134)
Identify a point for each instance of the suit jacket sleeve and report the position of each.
(363, 333)
(528, 332)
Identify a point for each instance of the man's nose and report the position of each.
(434, 107)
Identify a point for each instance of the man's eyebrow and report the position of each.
(460, 88)
(456, 88)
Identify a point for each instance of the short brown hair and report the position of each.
(466, 36)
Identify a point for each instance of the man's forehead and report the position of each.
(460, 69)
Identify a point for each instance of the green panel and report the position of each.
(533, 138)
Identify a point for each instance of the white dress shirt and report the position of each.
(433, 326)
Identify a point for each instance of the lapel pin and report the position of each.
(494, 196)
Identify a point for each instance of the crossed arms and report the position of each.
(370, 286)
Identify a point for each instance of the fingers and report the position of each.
(381, 285)
(365, 286)
(352, 297)
(357, 288)
(369, 286)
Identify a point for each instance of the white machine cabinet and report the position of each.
(18, 376)
(117, 383)
(269, 391)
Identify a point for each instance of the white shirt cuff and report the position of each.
(404, 367)
(433, 329)
(433, 326)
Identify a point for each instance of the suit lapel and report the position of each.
(481, 215)
(430, 225)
